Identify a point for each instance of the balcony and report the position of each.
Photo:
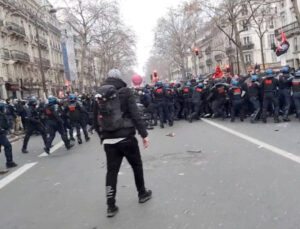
(209, 62)
(15, 29)
(289, 30)
(229, 50)
(60, 67)
(219, 57)
(43, 42)
(208, 51)
(248, 46)
(45, 62)
(19, 56)
(55, 30)
(4, 54)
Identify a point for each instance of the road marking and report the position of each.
(9, 178)
(255, 141)
(53, 149)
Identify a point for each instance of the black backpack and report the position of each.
(110, 116)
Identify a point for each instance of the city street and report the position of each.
(211, 174)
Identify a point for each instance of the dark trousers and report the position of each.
(296, 98)
(81, 124)
(187, 107)
(197, 108)
(114, 154)
(7, 147)
(31, 128)
(285, 96)
(218, 107)
(52, 129)
(159, 111)
(170, 111)
(270, 98)
(254, 101)
(237, 107)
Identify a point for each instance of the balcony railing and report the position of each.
(43, 42)
(289, 30)
(16, 29)
(20, 56)
(208, 51)
(45, 62)
(248, 46)
(209, 62)
(5, 54)
(219, 57)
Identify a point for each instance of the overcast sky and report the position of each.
(142, 16)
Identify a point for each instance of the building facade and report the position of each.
(20, 69)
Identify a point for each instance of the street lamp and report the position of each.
(51, 11)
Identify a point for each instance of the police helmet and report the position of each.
(159, 84)
(235, 82)
(255, 78)
(188, 84)
(32, 101)
(72, 97)
(200, 85)
(285, 70)
(52, 100)
(269, 72)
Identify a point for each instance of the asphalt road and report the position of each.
(212, 174)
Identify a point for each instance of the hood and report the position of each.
(118, 83)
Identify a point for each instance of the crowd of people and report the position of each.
(258, 96)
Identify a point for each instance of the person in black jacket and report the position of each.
(34, 123)
(122, 143)
(4, 127)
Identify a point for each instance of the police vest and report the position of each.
(296, 85)
(269, 84)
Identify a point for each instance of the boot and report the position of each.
(87, 138)
(112, 210)
(144, 197)
(25, 151)
(276, 120)
(162, 125)
(79, 140)
(72, 139)
(286, 118)
(11, 164)
(69, 146)
(47, 150)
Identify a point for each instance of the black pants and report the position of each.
(52, 129)
(31, 128)
(7, 147)
(80, 124)
(254, 101)
(114, 153)
(270, 98)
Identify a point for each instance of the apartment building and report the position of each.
(20, 75)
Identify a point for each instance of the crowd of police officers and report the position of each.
(258, 96)
(263, 95)
(45, 119)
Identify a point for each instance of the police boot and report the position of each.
(79, 140)
(25, 151)
(112, 210)
(69, 145)
(171, 123)
(162, 125)
(11, 164)
(87, 138)
(286, 118)
(276, 120)
(72, 139)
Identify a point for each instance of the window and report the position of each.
(271, 24)
(246, 40)
(295, 44)
(248, 58)
(283, 17)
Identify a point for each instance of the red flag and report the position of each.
(283, 36)
(218, 73)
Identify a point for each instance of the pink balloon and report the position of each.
(137, 80)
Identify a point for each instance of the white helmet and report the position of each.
(114, 73)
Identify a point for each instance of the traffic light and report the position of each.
(196, 51)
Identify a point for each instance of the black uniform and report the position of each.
(169, 105)
(270, 97)
(237, 102)
(197, 100)
(33, 123)
(296, 95)
(253, 94)
(159, 103)
(55, 124)
(285, 85)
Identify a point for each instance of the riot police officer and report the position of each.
(236, 100)
(187, 93)
(4, 127)
(169, 104)
(296, 92)
(270, 87)
(78, 116)
(253, 93)
(33, 123)
(197, 100)
(159, 103)
(55, 123)
(285, 85)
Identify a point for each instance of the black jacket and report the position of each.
(129, 109)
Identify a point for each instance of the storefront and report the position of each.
(13, 90)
